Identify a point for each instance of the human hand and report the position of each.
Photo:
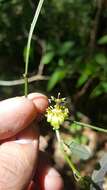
(19, 149)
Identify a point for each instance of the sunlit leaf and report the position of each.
(83, 78)
(47, 58)
(101, 58)
(104, 85)
(100, 89)
(97, 91)
(65, 47)
(103, 40)
(88, 71)
(80, 151)
(61, 62)
(74, 127)
(56, 77)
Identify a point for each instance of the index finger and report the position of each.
(19, 112)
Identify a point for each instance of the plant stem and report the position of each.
(33, 24)
(76, 173)
(90, 126)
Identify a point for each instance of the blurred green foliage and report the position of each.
(74, 33)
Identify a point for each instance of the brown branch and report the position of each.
(42, 45)
(40, 68)
(41, 65)
(84, 89)
(39, 76)
(95, 24)
(21, 81)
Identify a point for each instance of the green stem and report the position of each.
(76, 173)
(33, 24)
(90, 126)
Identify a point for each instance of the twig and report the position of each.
(83, 89)
(95, 24)
(21, 81)
(90, 126)
(40, 68)
(41, 65)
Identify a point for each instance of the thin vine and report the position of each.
(33, 24)
(91, 126)
(76, 173)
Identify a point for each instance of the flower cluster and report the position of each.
(57, 113)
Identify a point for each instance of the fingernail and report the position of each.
(24, 141)
(53, 178)
(53, 172)
(41, 104)
(40, 101)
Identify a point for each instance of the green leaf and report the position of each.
(103, 40)
(88, 71)
(65, 48)
(101, 59)
(47, 58)
(56, 77)
(82, 79)
(75, 128)
(79, 151)
(61, 63)
(96, 92)
(104, 86)
(100, 89)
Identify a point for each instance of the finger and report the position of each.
(17, 113)
(18, 160)
(47, 177)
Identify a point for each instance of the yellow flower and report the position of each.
(57, 114)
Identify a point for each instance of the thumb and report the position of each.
(19, 112)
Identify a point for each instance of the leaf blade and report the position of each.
(56, 77)
(79, 150)
(102, 40)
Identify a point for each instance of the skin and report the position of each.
(22, 165)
